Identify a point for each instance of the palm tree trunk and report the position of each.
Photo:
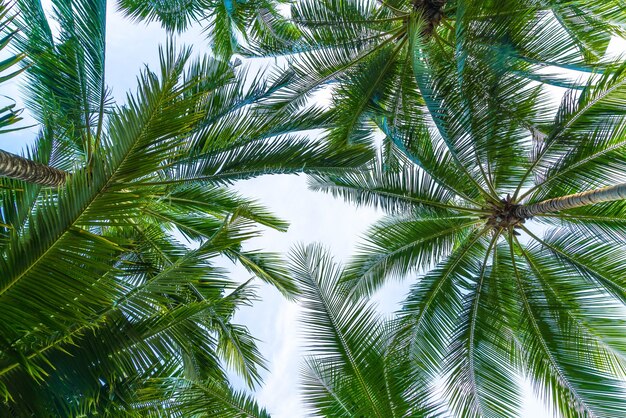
(606, 194)
(17, 167)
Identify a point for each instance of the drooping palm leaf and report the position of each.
(351, 369)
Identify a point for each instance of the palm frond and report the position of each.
(481, 379)
(67, 89)
(554, 357)
(397, 247)
(433, 306)
(188, 398)
(350, 370)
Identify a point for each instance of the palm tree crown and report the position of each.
(512, 213)
(500, 298)
(364, 50)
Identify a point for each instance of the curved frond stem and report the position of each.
(473, 317)
(310, 48)
(412, 244)
(331, 391)
(441, 40)
(372, 87)
(487, 178)
(388, 389)
(249, 372)
(101, 112)
(434, 204)
(544, 345)
(460, 63)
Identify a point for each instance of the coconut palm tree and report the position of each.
(365, 50)
(351, 369)
(100, 298)
(106, 309)
(514, 223)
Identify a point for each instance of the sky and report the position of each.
(314, 217)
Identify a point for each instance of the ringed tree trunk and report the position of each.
(606, 194)
(21, 168)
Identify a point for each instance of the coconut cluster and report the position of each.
(503, 214)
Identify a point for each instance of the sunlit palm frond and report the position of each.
(351, 369)
(67, 93)
(174, 15)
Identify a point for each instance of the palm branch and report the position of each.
(351, 369)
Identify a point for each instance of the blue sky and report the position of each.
(314, 217)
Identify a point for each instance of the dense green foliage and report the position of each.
(106, 310)
(493, 307)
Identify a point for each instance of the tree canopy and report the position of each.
(504, 209)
